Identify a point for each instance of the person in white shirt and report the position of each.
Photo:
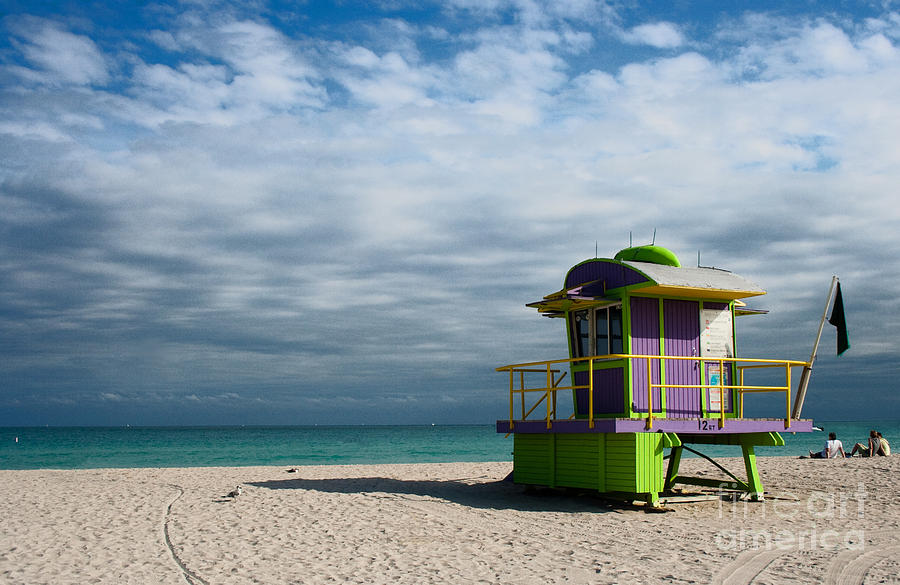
(833, 447)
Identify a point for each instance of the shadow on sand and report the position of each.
(474, 493)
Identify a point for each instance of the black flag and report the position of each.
(838, 320)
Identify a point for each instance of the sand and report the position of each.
(833, 521)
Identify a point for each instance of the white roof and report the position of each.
(696, 278)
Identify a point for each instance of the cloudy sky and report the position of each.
(278, 213)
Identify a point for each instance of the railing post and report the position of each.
(522, 391)
(554, 402)
(549, 390)
(511, 397)
(741, 393)
(590, 393)
(721, 393)
(649, 394)
(787, 396)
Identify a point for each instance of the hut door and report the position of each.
(681, 331)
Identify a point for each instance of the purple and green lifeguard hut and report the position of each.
(652, 366)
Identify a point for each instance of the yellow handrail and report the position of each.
(549, 391)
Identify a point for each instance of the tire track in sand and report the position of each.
(846, 568)
(851, 567)
(746, 567)
(189, 576)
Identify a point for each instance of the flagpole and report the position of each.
(807, 369)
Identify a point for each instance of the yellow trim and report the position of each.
(568, 305)
(693, 292)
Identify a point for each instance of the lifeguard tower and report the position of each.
(652, 365)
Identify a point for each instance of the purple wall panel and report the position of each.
(615, 275)
(645, 341)
(681, 327)
(609, 391)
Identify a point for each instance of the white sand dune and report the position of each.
(833, 521)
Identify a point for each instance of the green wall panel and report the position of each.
(532, 459)
(577, 461)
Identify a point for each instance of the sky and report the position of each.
(334, 212)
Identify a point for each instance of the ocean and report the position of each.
(121, 447)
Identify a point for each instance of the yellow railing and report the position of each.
(551, 368)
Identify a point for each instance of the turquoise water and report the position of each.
(97, 447)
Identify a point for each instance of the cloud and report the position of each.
(775, 48)
(539, 14)
(267, 68)
(297, 213)
(662, 35)
(224, 72)
(57, 56)
(40, 131)
(387, 81)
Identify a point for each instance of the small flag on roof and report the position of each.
(838, 320)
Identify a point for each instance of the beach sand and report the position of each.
(832, 521)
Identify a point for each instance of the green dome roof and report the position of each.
(651, 254)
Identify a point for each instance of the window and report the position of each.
(601, 332)
(582, 333)
(616, 344)
(597, 331)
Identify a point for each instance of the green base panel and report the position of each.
(606, 462)
(630, 463)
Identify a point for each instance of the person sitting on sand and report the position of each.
(832, 447)
(878, 445)
(885, 446)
